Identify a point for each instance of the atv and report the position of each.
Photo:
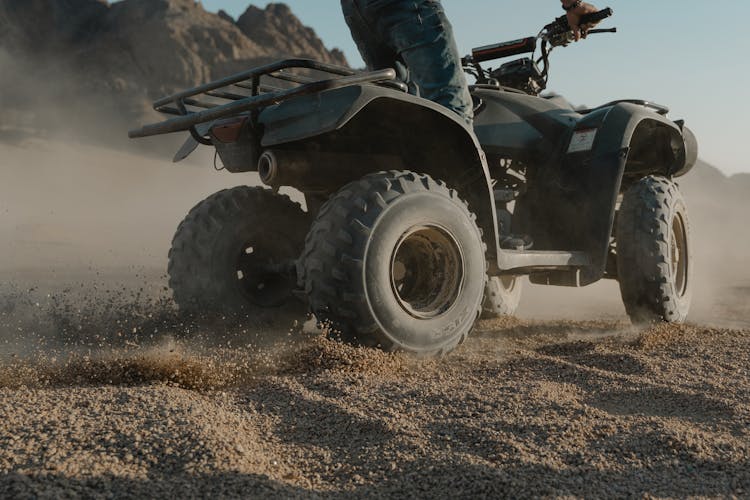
(403, 247)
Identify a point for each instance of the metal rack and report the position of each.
(228, 96)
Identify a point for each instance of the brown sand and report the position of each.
(105, 392)
(524, 409)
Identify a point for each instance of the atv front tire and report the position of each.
(227, 255)
(501, 297)
(654, 264)
(396, 261)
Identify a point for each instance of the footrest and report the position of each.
(527, 261)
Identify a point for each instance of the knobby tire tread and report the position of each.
(329, 270)
(643, 233)
(194, 288)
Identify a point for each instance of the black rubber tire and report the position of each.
(348, 267)
(502, 297)
(239, 228)
(652, 289)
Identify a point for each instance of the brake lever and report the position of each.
(598, 31)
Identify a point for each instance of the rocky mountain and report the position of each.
(114, 58)
(276, 26)
(41, 26)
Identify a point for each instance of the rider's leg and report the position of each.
(415, 34)
(374, 51)
(421, 34)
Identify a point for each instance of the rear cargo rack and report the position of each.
(228, 96)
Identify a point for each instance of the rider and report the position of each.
(416, 38)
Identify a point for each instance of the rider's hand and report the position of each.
(574, 20)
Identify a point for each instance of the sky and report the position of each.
(688, 55)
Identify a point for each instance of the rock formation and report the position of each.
(104, 58)
(278, 27)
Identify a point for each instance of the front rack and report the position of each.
(228, 96)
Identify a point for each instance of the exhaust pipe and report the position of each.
(268, 168)
(316, 171)
(278, 168)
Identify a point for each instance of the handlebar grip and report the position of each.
(597, 17)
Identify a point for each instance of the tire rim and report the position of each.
(678, 255)
(427, 271)
(259, 277)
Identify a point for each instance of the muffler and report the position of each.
(318, 172)
(284, 168)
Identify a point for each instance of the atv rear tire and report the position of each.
(396, 261)
(220, 256)
(654, 264)
(502, 296)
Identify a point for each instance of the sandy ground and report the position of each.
(105, 392)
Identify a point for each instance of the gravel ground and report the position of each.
(523, 409)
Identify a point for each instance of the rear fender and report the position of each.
(372, 122)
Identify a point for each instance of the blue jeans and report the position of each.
(415, 38)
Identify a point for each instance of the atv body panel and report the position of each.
(572, 199)
(375, 128)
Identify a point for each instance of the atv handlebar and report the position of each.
(525, 74)
(556, 33)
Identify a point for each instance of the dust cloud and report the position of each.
(73, 210)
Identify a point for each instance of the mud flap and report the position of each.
(191, 144)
